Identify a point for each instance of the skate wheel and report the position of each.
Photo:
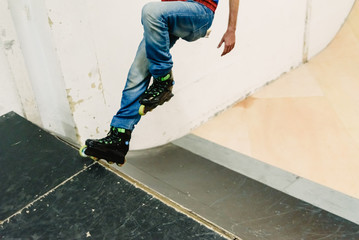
(82, 151)
(121, 164)
(83, 154)
(141, 111)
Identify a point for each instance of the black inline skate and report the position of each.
(158, 93)
(112, 148)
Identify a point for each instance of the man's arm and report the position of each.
(229, 37)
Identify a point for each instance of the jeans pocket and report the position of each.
(197, 34)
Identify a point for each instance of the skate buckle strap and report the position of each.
(165, 78)
(121, 130)
(113, 135)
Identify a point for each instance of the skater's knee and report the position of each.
(151, 12)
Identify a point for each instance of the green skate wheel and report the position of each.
(82, 151)
(83, 154)
(141, 111)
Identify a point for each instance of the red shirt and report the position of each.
(211, 4)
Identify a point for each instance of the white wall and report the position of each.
(325, 20)
(9, 98)
(78, 52)
(31, 22)
(16, 91)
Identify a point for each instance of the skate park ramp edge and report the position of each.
(49, 191)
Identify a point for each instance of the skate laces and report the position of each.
(155, 89)
(113, 136)
(159, 86)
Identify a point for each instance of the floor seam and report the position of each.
(44, 195)
(171, 203)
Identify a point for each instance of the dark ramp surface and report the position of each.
(48, 192)
(242, 206)
(32, 162)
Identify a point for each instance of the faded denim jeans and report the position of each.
(164, 23)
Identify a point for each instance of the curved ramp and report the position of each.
(305, 123)
(298, 135)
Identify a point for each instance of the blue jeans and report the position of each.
(164, 23)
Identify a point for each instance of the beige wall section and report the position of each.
(77, 54)
(16, 92)
(30, 19)
(307, 121)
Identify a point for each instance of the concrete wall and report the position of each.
(9, 94)
(16, 92)
(77, 53)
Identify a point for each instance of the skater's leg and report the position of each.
(114, 147)
(160, 91)
(177, 19)
(164, 23)
(137, 82)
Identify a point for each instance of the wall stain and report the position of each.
(72, 103)
(8, 44)
(246, 103)
(50, 22)
(100, 86)
(27, 12)
(307, 31)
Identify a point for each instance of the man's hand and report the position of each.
(229, 37)
(229, 40)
